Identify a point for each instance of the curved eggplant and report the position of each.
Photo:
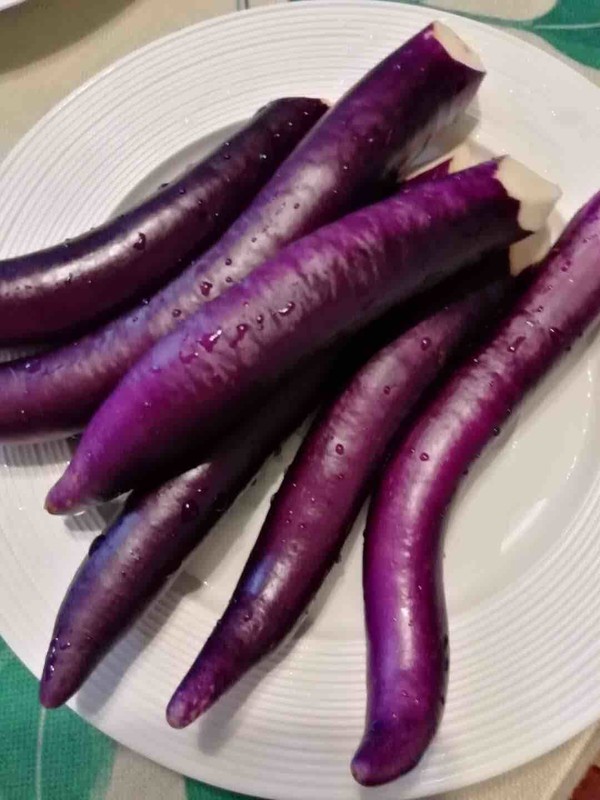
(404, 600)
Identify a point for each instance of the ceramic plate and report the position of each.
(522, 549)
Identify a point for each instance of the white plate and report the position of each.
(9, 3)
(523, 550)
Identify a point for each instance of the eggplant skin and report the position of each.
(389, 115)
(160, 525)
(319, 289)
(404, 599)
(69, 285)
(326, 484)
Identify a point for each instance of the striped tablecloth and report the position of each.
(46, 49)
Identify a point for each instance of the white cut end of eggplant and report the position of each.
(463, 156)
(466, 155)
(536, 196)
(456, 48)
(533, 249)
(529, 251)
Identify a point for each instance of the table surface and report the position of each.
(47, 48)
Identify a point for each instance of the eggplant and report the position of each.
(81, 280)
(319, 289)
(404, 599)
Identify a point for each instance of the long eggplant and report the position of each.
(326, 484)
(392, 112)
(191, 385)
(82, 279)
(404, 599)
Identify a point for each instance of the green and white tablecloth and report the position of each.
(57, 756)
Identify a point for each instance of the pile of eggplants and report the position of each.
(382, 124)
(266, 283)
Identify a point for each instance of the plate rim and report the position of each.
(280, 7)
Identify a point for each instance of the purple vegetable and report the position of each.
(80, 280)
(393, 111)
(324, 488)
(404, 605)
(194, 381)
(158, 528)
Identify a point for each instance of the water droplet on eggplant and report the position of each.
(514, 346)
(189, 511)
(287, 309)
(208, 341)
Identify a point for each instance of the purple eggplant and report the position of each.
(326, 484)
(82, 279)
(191, 385)
(404, 599)
(159, 527)
(388, 116)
